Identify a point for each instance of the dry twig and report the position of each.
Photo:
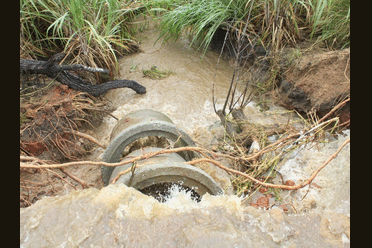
(61, 178)
(270, 185)
(86, 136)
(334, 109)
(83, 183)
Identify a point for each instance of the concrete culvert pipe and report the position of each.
(139, 124)
(156, 175)
(162, 170)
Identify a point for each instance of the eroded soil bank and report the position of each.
(317, 82)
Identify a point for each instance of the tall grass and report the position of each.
(93, 31)
(200, 18)
(331, 22)
(276, 22)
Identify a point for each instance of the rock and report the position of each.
(255, 147)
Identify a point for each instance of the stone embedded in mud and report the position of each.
(334, 225)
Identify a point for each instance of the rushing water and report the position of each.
(185, 96)
(118, 216)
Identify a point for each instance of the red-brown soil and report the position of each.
(317, 83)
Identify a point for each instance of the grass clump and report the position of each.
(156, 74)
(94, 32)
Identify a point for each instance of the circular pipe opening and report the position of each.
(165, 170)
(163, 191)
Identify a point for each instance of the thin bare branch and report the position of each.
(86, 136)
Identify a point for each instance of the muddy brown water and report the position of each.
(119, 216)
(185, 96)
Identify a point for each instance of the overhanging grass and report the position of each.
(93, 31)
(269, 24)
(276, 22)
(200, 18)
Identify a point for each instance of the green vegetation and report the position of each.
(275, 22)
(94, 32)
(200, 18)
(331, 22)
(23, 118)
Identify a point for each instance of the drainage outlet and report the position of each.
(140, 124)
(156, 175)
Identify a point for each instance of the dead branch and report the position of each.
(83, 183)
(61, 73)
(42, 184)
(61, 178)
(334, 109)
(269, 185)
(86, 136)
(305, 134)
(101, 110)
(24, 200)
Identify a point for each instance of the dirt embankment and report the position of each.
(51, 119)
(317, 83)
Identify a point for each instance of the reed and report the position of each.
(200, 19)
(276, 22)
(331, 22)
(94, 32)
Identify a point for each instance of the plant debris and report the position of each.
(156, 74)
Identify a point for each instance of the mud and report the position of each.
(317, 82)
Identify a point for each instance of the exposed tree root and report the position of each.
(338, 106)
(269, 185)
(86, 136)
(51, 124)
(83, 184)
(51, 121)
(62, 74)
(193, 162)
